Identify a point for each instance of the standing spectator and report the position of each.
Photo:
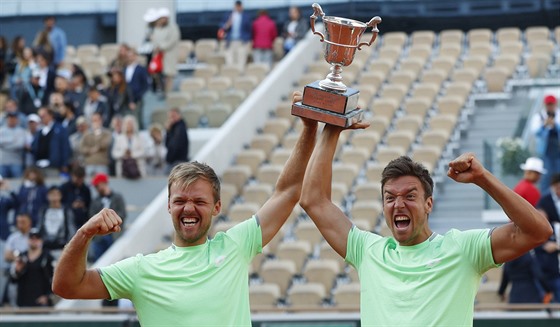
(294, 30)
(33, 272)
(51, 147)
(545, 126)
(525, 276)
(97, 103)
(166, 37)
(156, 163)
(47, 75)
(547, 254)
(31, 94)
(57, 38)
(176, 139)
(136, 77)
(67, 116)
(43, 45)
(23, 65)
(532, 171)
(121, 60)
(264, 34)
(95, 147)
(78, 89)
(236, 28)
(32, 194)
(33, 126)
(12, 147)
(106, 198)
(147, 47)
(11, 107)
(129, 145)
(12, 59)
(16, 244)
(116, 130)
(76, 195)
(82, 127)
(57, 223)
(119, 95)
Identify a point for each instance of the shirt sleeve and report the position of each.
(119, 277)
(477, 247)
(248, 236)
(357, 242)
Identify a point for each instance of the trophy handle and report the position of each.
(317, 11)
(373, 24)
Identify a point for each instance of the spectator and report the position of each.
(236, 29)
(13, 58)
(78, 89)
(176, 139)
(16, 244)
(525, 276)
(264, 34)
(32, 194)
(121, 60)
(136, 77)
(415, 260)
(12, 147)
(532, 171)
(3, 59)
(7, 205)
(51, 147)
(82, 127)
(76, 195)
(95, 147)
(547, 254)
(97, 103)
(119, 95)
(294, 30)
(106, 198)
(166, 37)
(147, 47)
(129, 144)
(33, 271)
(43, 45)
(194, 199)
(32, 94)
(545, 126)
(57, 223)
(47, 75)
(33, 126)
(67, 116)
(21, 75)
(57, 38)
(116, 129)
(156, 163)
(11, 107)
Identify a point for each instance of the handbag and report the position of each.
(130, 168)
(156, 64)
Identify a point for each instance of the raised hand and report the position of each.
(465, 168)
(105, 222)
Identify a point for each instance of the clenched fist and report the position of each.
(105, 222)
(465, 168)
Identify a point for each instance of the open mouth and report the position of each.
(402, 222)
(190, 221)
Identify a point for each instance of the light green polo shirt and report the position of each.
(204, 285)
(433, 283)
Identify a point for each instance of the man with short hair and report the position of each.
(12, 147)
(57, 36)
(416, 276)
(176, 139)
(186, 283)
(51, 146)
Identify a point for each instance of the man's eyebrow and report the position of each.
(412, 189)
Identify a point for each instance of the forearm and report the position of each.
(527, 219)
(71, 268)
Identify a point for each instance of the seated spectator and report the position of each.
(33, 272)
(78, 89)
(12, 147)
(106, 198)
(82, 127)
(11, 107)
(31, 94)
(32, 194)
(56, 223)
(67, 116)
(294, 29)
(95, 147)
(96, 102)
(129, 145)
(156, 162)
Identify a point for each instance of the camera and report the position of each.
(550, 114)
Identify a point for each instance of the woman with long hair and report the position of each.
(129, 144)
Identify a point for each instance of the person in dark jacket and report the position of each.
(527, 283)
(77, 195)
(56, 223)
(176, 139)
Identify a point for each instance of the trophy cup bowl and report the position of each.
(329, 100)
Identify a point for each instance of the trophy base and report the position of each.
(340, 102)
(326, 116)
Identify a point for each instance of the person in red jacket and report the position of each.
(264, 33)
(533, 169)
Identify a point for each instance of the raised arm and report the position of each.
(278, 208)
(316, 193)
(528, 229)
(71, 278)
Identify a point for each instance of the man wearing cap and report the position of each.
(106, 198)
(166, 37)
(33, 272)
(545, 126)
(12, 146)
(532, 171)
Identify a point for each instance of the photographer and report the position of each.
(545, 126)
(33, 270)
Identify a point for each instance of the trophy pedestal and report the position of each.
(330, 107)
(325, 116)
